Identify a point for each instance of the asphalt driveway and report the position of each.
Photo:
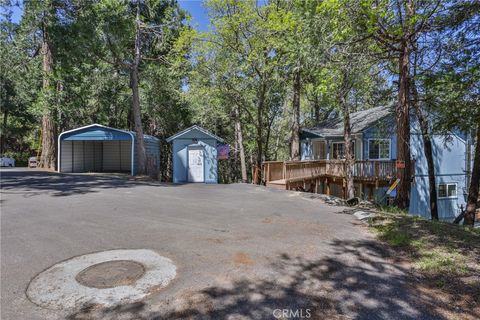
(241, 251)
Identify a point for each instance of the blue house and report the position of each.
(194, 152)
(374, 140)
(97, 148)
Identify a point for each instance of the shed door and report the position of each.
(195, 165)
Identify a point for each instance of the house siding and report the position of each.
(449, 153)
(450, 156)
(380, 132)
(306, 150)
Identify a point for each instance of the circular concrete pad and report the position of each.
(107, 278)
(111, 274)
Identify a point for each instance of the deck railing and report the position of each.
(362, 169)
(368, 169)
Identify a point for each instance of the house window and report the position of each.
(318, 148)
(379, 149)
(447, 190)
(338, 150)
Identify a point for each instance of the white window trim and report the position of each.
(446, 185)
(389, 149)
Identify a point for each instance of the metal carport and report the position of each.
(97, 148)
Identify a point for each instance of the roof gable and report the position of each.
(194, 132)
(95, 132)
(359, 121)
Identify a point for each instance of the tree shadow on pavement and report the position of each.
(32, 183)
(358, 280)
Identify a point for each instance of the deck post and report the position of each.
(327, 187)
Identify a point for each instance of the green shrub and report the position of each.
(21, 158)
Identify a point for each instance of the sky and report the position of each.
(199, 21)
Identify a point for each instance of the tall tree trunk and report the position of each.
(347, 134)
(295, 151)
(403, 129)
(3, 137)
(137, 114)
(427, 150)
(316, 107)
(268, 133)
(239, 142)
(48, 154)
(473, 190)
(259, 138)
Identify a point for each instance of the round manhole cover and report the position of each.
(102, 278)
(111, 274)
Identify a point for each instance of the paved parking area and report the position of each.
(241, 251)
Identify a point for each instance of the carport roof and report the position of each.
(99, 132)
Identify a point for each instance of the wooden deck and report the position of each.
(309, 175)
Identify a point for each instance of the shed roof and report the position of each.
(192, 128)
(99, 132)
(360, 121)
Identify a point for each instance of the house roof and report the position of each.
(195, 127)
(359, 121)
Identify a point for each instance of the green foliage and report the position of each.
(391, 210)
(440, 261)
(21, 158)
(244, 63)
(91, 45)
(395, 237)
(439, 250)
